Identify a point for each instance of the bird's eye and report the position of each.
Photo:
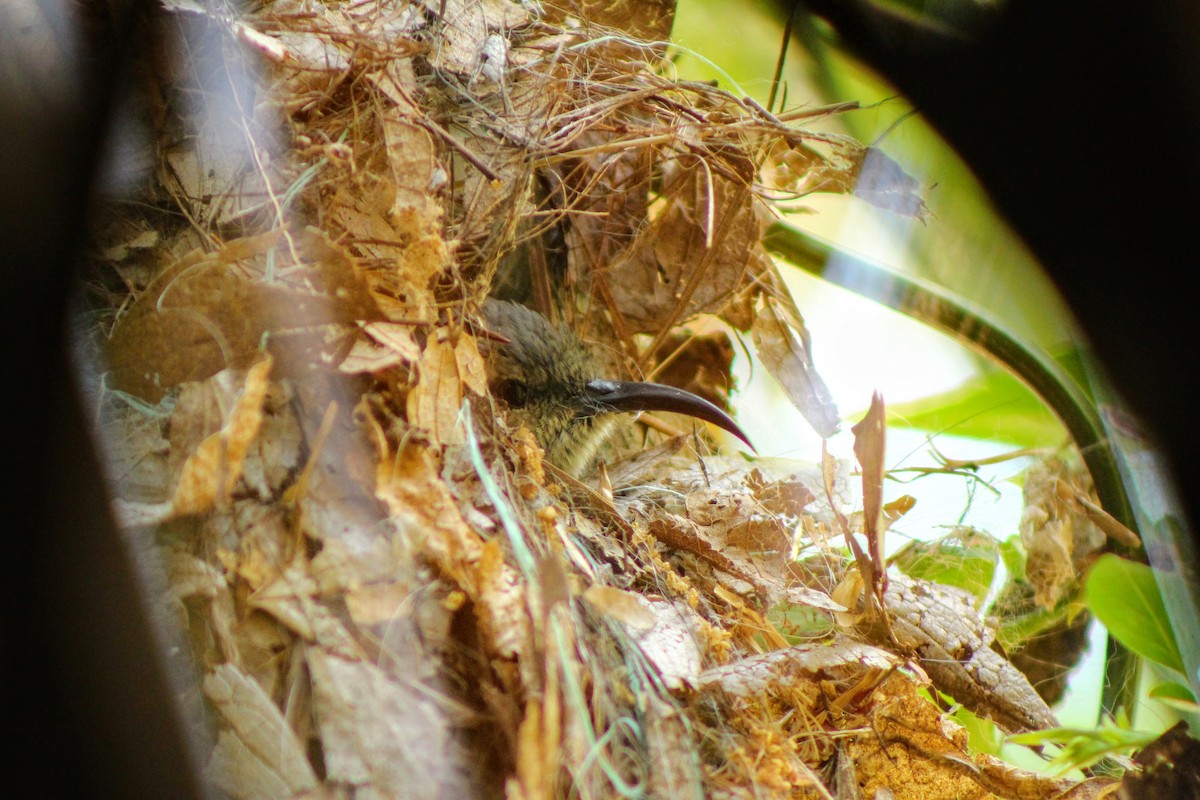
(514, 393)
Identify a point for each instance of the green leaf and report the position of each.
(983, 735)
(1176, 696)
(800, 623)
(1016, 630)
(965, 558)
(994, 406)
(1124, 597)
(1083, 747)
(1012, 554)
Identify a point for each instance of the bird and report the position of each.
(549, 381)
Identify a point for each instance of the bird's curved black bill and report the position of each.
(602, 396)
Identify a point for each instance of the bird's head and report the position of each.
(550, 383)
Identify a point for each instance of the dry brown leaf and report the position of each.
(433, 404)
(736, 520)
(258, 756)
(1112, 527)
(788, 496)
(342, 567)
(258, 558)
(672, 644)
(630, 609)
(378, 603)
(1058, 535)
(396, 338)
(471, 370)
(401, 266)
(144, 240)
(273, 456)
(383, 736)
(535, 766)
(416, 497)
(683, 534)
(674, 768)
(848, 593)
(414, 162)
(800, 164)
(190, 577)
(837, 660)
(696, 254)
(783, 345)
(214, 175)
(870, 439)
(884, 184)
(291, 598)
(407, 483)
(144, 462)
(368, 358)
(467, 27)
(210, 473)
(503, 610)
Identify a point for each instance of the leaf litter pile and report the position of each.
(379, 587)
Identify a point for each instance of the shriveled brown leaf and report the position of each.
(628, 608)
(139, 241)
(839, 165)
(395, 338)
(416, 497)
(671, 643)
(214, 175)
(414, 163)
(210, 473)
(785, 349)
(787, 496)
(696, 253)
(674, 768)
(291, 597)
(884, 184)
(367, 357)
(468, 25)
(258, 756)
(1058, 534)
(471, 370)
(433, 404)
(400, 258)
(870, 438)
(835, 660)
(383, 735)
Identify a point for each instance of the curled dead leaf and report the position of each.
(433, 404)
(870, 439)
(696, 254)
(786, 351)
(210, 474)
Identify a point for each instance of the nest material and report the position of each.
(383, 592)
